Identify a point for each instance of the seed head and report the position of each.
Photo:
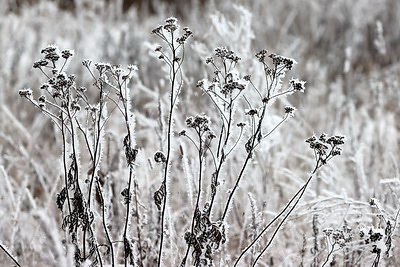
(67, 53)
(87, 63)
(290, 110)
(298, 85)
(40, 63)
(25, 92)
(261, 55)
(159, 157)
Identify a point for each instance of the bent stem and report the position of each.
(301, 193)
(196, 209)
(298, 194)
(9, 255)
(174, 62)
(249, 156)
(322, 154)
(130, 154)
(329, 255)
(103, 214)
(174, 68)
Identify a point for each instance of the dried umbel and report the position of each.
(297, 85)
(339, 236)
(168, 30)
(172, 55)
(159, 157)
(25, 93)
(290, 110)
(336, 239)
(378, 239)
(225, 54)
(199, 123)
(326, 148)
(281, 61)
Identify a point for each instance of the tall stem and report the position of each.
(169, 131)
(196, 209)
(65, 162)
(103, 214)
(249, 156)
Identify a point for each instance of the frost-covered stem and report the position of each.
(375, 263)
(196, 209)
(249, 156)
(126, 113)
(228, 131)
(215, 183)
(220, 139)
(221, 152)
(329, 254)
(64, 152)
(126, 225)
(137, 215)
(96, 149)
(103, 214)
(87, 225)
(96, 156)
(169, 132)
(96, 247)
(235, 186)
(298, 194)
(9, 255)
(127, 215)
(76, 173)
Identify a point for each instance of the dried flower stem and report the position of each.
(168, 153)
(106, 231)
(248, 157)
(174, 62)
(130, 153)
(322, 157)
(9, 255)
(199, 191)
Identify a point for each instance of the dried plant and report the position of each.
(239, 121)
(82, 131)
(173, 57)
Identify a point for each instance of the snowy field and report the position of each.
(202, 133)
